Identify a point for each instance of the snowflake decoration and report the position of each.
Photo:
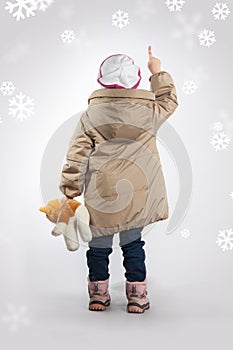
(7, 88)
(21, 8)
(188, 28)
(185, 233)
(218, 126)
(68, 36)
(175, 5)
(225, 239)
(21, 106)
(207, 37)
(220, 141)
(16, 317)
(145, 9)
(220, 11)
(231, 195)
(189, 87)
(120, 19)
(42, 5)
(0, 119)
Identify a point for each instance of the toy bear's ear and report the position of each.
(43, 209)
(73, 204)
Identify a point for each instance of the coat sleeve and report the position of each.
(74, 171)
(166, 98)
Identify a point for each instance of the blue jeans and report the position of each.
(133, 253)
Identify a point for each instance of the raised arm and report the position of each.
(162, 84)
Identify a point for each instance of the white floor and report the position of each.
(181, 317)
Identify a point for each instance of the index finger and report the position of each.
(150, 52)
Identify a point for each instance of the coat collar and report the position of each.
(130, 93)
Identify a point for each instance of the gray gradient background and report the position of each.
(189, 280)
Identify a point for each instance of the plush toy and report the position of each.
(70, 217)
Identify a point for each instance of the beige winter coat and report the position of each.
(113, 152)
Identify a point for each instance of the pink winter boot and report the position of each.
(136, 294)
(99, 295)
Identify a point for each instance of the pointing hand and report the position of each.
(154, 63)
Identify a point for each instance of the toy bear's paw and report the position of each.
(84, 231)
(55, 232)
(83, 227)
(71, 244)
(59, 229)
(70, 235)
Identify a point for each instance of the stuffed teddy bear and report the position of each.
(70, 217)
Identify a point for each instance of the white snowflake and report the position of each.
(7, 88)
(231, 194)
(21, 8)
(188, 28)
(189, 87)
(42, 5)
(207, 37)
(0, 119)
(21, 106)
(225, 239)
(145, 9)
(120, 19)
(175, 5)
(68, 36)
(220, 11)
(218, 126)
(185, 233)
(220, 141)
(16, 316)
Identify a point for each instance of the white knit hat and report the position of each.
(119, 71)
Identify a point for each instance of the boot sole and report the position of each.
(98, 305)
(135, 308)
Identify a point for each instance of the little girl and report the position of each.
(113, 152)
